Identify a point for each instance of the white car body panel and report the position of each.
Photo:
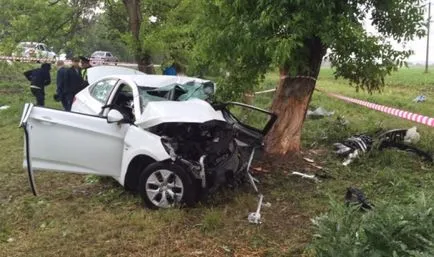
(191, 111)
(77, 143)
(141, 142)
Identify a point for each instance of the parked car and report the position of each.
(103, 57)
(34, 49)
(159, 135)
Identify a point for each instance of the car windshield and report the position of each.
(176, 92)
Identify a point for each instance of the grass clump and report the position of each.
(391, 229)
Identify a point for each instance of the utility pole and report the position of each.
(427, 37)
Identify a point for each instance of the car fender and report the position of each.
(141, 142)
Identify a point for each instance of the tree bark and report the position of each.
(291, 100)
(144, 60)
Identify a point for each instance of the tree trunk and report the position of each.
(291, 100)
(144, 60)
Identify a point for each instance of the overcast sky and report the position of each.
(418, 46)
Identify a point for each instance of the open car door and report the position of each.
(251, 123)
(71, 142)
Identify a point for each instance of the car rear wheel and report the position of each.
(166, 185)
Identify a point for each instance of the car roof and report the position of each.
(157, 81)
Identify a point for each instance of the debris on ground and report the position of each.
(355, 196)
(319, 112)
(353, 146)
(419, 99)
(255, 217)
(303, 175)
(412, 136)
(4, 107)
(308, 160)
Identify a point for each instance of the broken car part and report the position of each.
(353, 146)
(255, 217)
(356, 196)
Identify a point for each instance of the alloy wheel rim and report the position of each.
(164, 188)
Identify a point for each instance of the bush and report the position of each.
(406, 229)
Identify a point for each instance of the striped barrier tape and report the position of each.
(68, 62)
(20, 58)
(429, 121)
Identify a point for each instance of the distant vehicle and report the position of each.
(34, 49)
(103, 57)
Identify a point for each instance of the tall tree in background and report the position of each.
(253, 36)
(143, 58)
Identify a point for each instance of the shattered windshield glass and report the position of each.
(176, 92)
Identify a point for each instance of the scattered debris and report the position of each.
(357, 197)
(303, 175)
(319, 112)
(419, 99)
(308, 160)
(11, 239)
(412, 136)
(4, 107)
(342, 121)
(255, 217)
(353, 146)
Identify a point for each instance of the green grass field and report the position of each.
(82, 216)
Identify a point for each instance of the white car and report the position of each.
(102, 57)
(156, 134)
(34, 49)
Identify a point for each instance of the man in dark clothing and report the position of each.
(61, 78)
(85, 64)
(39, 79)
(73, 83)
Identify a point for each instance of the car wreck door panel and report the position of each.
(72, 142)
(251, 123)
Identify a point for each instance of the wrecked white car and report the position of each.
(159, 135)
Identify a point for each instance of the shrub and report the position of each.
(405, 229)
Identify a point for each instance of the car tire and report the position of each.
(166, 185)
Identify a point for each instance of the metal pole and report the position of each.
(427, 38)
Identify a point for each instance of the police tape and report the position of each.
(22, 58)
(429, 121)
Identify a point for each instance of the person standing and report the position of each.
(73, 83)
(85, 64)
(61, 84)
(39, 78)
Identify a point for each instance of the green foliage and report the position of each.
(55, 24)
(249, 37)
(405, 229)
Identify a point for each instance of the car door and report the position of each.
(72, 142)
(252, 123)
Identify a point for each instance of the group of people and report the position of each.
(69, 81)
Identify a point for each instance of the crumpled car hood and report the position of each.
(191, 111)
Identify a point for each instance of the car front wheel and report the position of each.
(166, 185)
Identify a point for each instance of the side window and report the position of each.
(109, 54)
(39, 47)
(101, 90)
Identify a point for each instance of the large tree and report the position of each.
(253, 36)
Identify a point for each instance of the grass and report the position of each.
(79, 216)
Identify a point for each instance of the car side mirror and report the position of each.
(114, 116)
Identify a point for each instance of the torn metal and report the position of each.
(402, 139)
